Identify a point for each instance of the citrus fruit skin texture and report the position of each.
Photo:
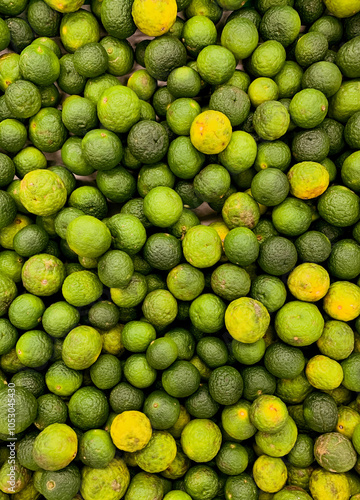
(43, 193)
(342, 302)
(180, 249)
(154, 18)
(131, 431)
(309, 282)
(246, 320)
(308, 180)
(55, 447)
(342, 9)
(210, 132)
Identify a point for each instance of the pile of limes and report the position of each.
(147, 353)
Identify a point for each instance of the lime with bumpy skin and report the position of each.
(39, 64)
(53, 438)
(247, 319)
(81, 288)
(23, 99)
(210, 132)
(88, 237)
(202, 246)
(162, 206)
(43, 274)
(118, 108)
(102, 149)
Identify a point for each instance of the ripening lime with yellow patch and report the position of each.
(65, 5)
(210, 132)
(309, 282)
(42, 192)
(222, 230)
(343, 8)
(246, 320)
(324, 373)
(131, 431)
(154, 17)
(308, 180)
(342, 301)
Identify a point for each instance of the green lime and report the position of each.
(271, 120)
(232, 102)
(102, 150)
(95, 86)
(230, 282)
(339, 206)
(240, 36)
(240, 153)
(138, 372)
(105, 373)
(161, 353)
(73, 158)
(91, 60)
(23, 99)
(212, 351)
(240, 210)
(120, 55)
(137, 336)
(118, 108)
(79, 115)
(155, 63)
(308, 108)
(280, 23)
(151, 176)
(216, 64)
(292, 217)
(81, 288)
(343, 252)
(96, 449)
(13, 135)
(203, 7)
(311, 48)
(201, 441)
(153, 139)
(69, 79)
(201, 482)
(142, 84)
(51, 410)
(77, 29)
(289, 79)
(8, 336)
(199, 31)
(90, 200)
(104, 315)
(25, 311)
(299, 323)
(88, 237)
(7, 170)
(241, 246)
(270, 187)
(248, 354)
(39, 64)
(323, 76)
(88, 408)
(202, 246)
(270, 291)
(31, 240)
(160, 308)
(267, 59)
(184, 82)
(131, 295)
(261, 90)
(47, 131)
